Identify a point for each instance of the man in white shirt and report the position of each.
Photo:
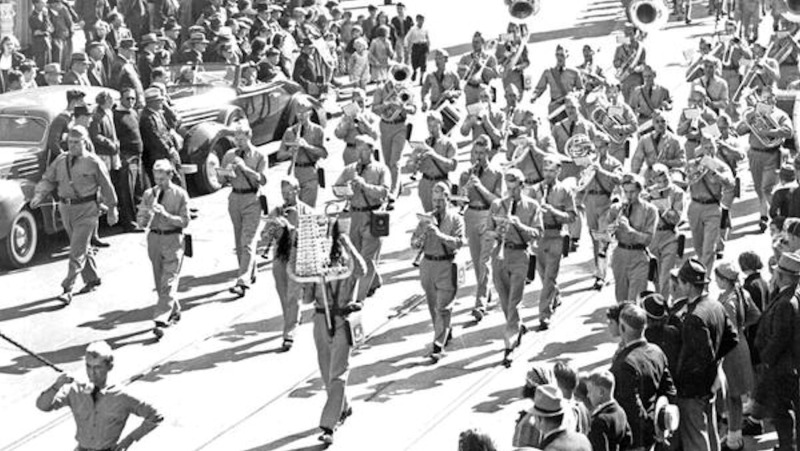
(419, 42)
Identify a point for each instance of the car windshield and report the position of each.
(188, 78)
(21, 129)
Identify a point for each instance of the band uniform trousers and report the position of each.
(664, 248)
(509, 281)
(704, 223)
(245, 213)
(548, 263)
(425, 191)
(80, 221)
(309, 184)
(129, 188)
(333, 356)
(479, 252)
(166, 257)
(697, 430)
(764, 168)
(289, 293)
(393, 141)
(597, 207)
(438, 282)
(630, 268)
(369, 247)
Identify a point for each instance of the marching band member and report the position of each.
(514, 57)
(765, 69)
(248, 166)
(596, 198)
(522, 225)
(649, 97)
(750, 17)
(513, 126)
(394, 114)
(765, 154)
(485, 122)
(658, 146)
(562, 81)
(304, 143)
(668, 199)
(482, 183)
(528, 151)
(476, 68)
(712, 85)
(630, 61)
(282, 228)
(709, 178)
(729, 151)
(436, 161)
(362, 122)
(440, 239)
(733, 52)
(164, 209)
(370, 181)
(558, 209)
(619, 122)
(633, 222)
(784, 50)
(593, 76)
(443, 84)
(693, 119)
(334, 346)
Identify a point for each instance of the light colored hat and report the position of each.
(153, 93)
(789, 263)
(548, 402)
(52, 68)
(163, 165)
(667, 416)
(516, 174)
(727, 270)
(78, 131)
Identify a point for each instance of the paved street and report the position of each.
(219, 376)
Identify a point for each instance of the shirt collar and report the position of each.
(635, 343)
(602, 406)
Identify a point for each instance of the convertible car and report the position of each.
(206, 99)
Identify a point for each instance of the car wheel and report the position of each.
(208, 180)
(19, 247)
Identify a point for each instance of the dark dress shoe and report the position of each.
(238, 290)
(345, 415)
(65, 298)
(436, 354)
(97, 243)
(478, 314)
(598, 284)
(326, 437)
(174, 317)
(544, 325)
(507, 357)
(90, 286)
(287, 344)
(522, 331)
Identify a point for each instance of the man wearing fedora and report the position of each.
(641, 374)
(77, 70)
(156, 137)
(193, 54)
(97, 71)
(778, 345)
(548, 417)
(707, 335)
(123, 71)
(146, 60)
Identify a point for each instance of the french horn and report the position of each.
(523, 9)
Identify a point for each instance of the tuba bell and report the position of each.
(648, 15)
(792, 13)
(522, 9)
(401, 73)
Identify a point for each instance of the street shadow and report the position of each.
(584, 344)
(25, 363)
(31, 308)
(496, 401)
(188, 281)
(280, 443)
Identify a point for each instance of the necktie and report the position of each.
(160, 197)
(95, 394)
(514, 207)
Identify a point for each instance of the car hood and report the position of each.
(18, 161)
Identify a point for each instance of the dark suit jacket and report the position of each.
(401, 27)
(566, 441)
(126, 123)
(610, 430)
(97, 73)
(190, 56)
(103, 133)
(707, 335)
(668, 338)
(155, 136)
(145, 63)
(72, 78)
(124, 75)
(642, 375)
(778, 336)
(55, 136)
(91, 11)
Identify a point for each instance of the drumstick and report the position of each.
(31, 353)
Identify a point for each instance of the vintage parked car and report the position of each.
(207, 99)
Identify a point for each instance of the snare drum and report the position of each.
(450, 118)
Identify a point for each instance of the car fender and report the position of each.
(12, 201)
(201, 138)
(229, 114)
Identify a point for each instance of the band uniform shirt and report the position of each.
(313, 134)
(253, 159)
(560, 197)
(568, 128)
(737, 54)
(590, 72)
(532, 162)
(778, 116)
(85, 176)
(570, 79)
(175, 201)
(491, 178)
(602, 183)
(437, 84)
(471, 61)
(377, 178)
(529, 214)
(348, 131)
(670, 204)
(645, 100)
(712, 186)
(443, 147)
(383, 96)
(450, 224)
(665, 149)
(716, 88)
(625, 52)
(493, 130)
(642, 217)
(340, 292)
(100, 423)
(707, 117)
